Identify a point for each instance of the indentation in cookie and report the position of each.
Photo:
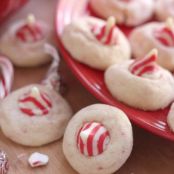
(92, 139)
(106, 34)
(147, 66)
(30, 32)
(165, 35)
(35, 103)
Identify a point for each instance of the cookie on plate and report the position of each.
(127, 12)
(164, 9)
(95, 42)
(141, 83)
(155, 35)
(23, 42)
(98, 140)
(34, 115)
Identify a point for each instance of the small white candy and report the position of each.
(37, 159)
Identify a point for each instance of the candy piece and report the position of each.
(4, 163)
(92, 139)
(146, 67)
(107, 33)
(37, 159)
(52, 79)
(166, 35)
(6, 76)
(30, 32)
(35, 102)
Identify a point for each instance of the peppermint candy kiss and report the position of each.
(166, 35)
(92, 139)
(35, 103)
(30, 32)
(107, 33)
(4, 163)
(6, 76)
(146, 67)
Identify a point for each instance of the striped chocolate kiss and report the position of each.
(35, 103)
(92, 139)
(107, 34)
(30, 32)
(166, 34)
(146, 67)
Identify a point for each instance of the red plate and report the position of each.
(154, 122)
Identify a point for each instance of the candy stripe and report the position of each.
(79, 140)
(165, 36)
(101, 142)
(146, 66)
(91, 139)
(146, 69)
(6, 76)
(35, 103)
(106, 34)
(142, 62)
(29, 33)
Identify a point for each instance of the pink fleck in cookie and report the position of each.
(23, 42)
(95, 42)
(141, 83)
(155, 35)
(164, 9)
(98, 140)
(36, 114)
(127, 12)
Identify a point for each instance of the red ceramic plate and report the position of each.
(155, 122)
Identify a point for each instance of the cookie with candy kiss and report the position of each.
(164, 9)
(95, 42)
(127, 12)
(36, 114)
(23, 42)
(155, 35)
(141, 83)
(98, 140)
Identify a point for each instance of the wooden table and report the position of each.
(151, 154)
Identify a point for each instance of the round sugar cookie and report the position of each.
(34, 115)
(95, 42)
(24, 40)
(98, 140)
(141, 83)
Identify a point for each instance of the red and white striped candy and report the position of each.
(146, 67)
(166, 35)
(92, 139)
(6, 76)
(106, 34)
(30, 32)
(35, 102)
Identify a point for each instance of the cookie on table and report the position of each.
(95, 42)
(164, 9)
(155, 35)
(98, 140)
(34, 115)
(127, 12)
(23, 42)
(141, 83)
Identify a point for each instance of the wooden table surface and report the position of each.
(151, 154)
